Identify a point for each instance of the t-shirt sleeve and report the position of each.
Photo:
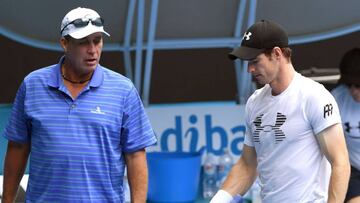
(321, 110)
(18, 128)
(137, 132)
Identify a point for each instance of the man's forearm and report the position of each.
(10, 185)
(137, 172)
(138, 181)
(239, 179)
(14, 167)
(338, 183)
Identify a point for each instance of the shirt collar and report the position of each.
(56, 80)
(98, 77)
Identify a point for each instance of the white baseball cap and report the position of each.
(82, 22)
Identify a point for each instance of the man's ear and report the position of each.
(64, 44)
(277, 52)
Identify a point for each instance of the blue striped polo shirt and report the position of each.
(77, 145)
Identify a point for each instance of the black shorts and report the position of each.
(354, 184)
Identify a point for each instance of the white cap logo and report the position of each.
(247, 36)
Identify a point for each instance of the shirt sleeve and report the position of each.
(321, 110)
(137, 132)
(18, 128)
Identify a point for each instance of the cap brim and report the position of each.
(245, 53)
(86, 31)
(349, 79)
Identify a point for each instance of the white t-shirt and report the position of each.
(350, 116)
(283, 131)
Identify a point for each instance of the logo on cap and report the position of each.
(247, 35)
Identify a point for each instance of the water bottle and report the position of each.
(209, 178)
(247, 196)
(256, 192)
(126, 188)
(224, 167)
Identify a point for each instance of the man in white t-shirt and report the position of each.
(293, 129)
(347, 95)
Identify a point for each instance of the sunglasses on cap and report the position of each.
(79, 23)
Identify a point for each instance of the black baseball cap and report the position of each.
(350, 67)
(259, 37)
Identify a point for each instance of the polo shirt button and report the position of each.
(73, 106)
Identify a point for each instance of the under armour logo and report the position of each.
(328, 108)
(247, 36)
(279, 134)
(348, 127)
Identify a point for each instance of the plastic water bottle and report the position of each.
(126, 188)
(209, 179)
(224, 167)
(247, 196)
(256, 192)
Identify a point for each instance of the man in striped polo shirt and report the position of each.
(81, 122)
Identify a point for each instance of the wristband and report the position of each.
(221, 197)
(237, 198)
